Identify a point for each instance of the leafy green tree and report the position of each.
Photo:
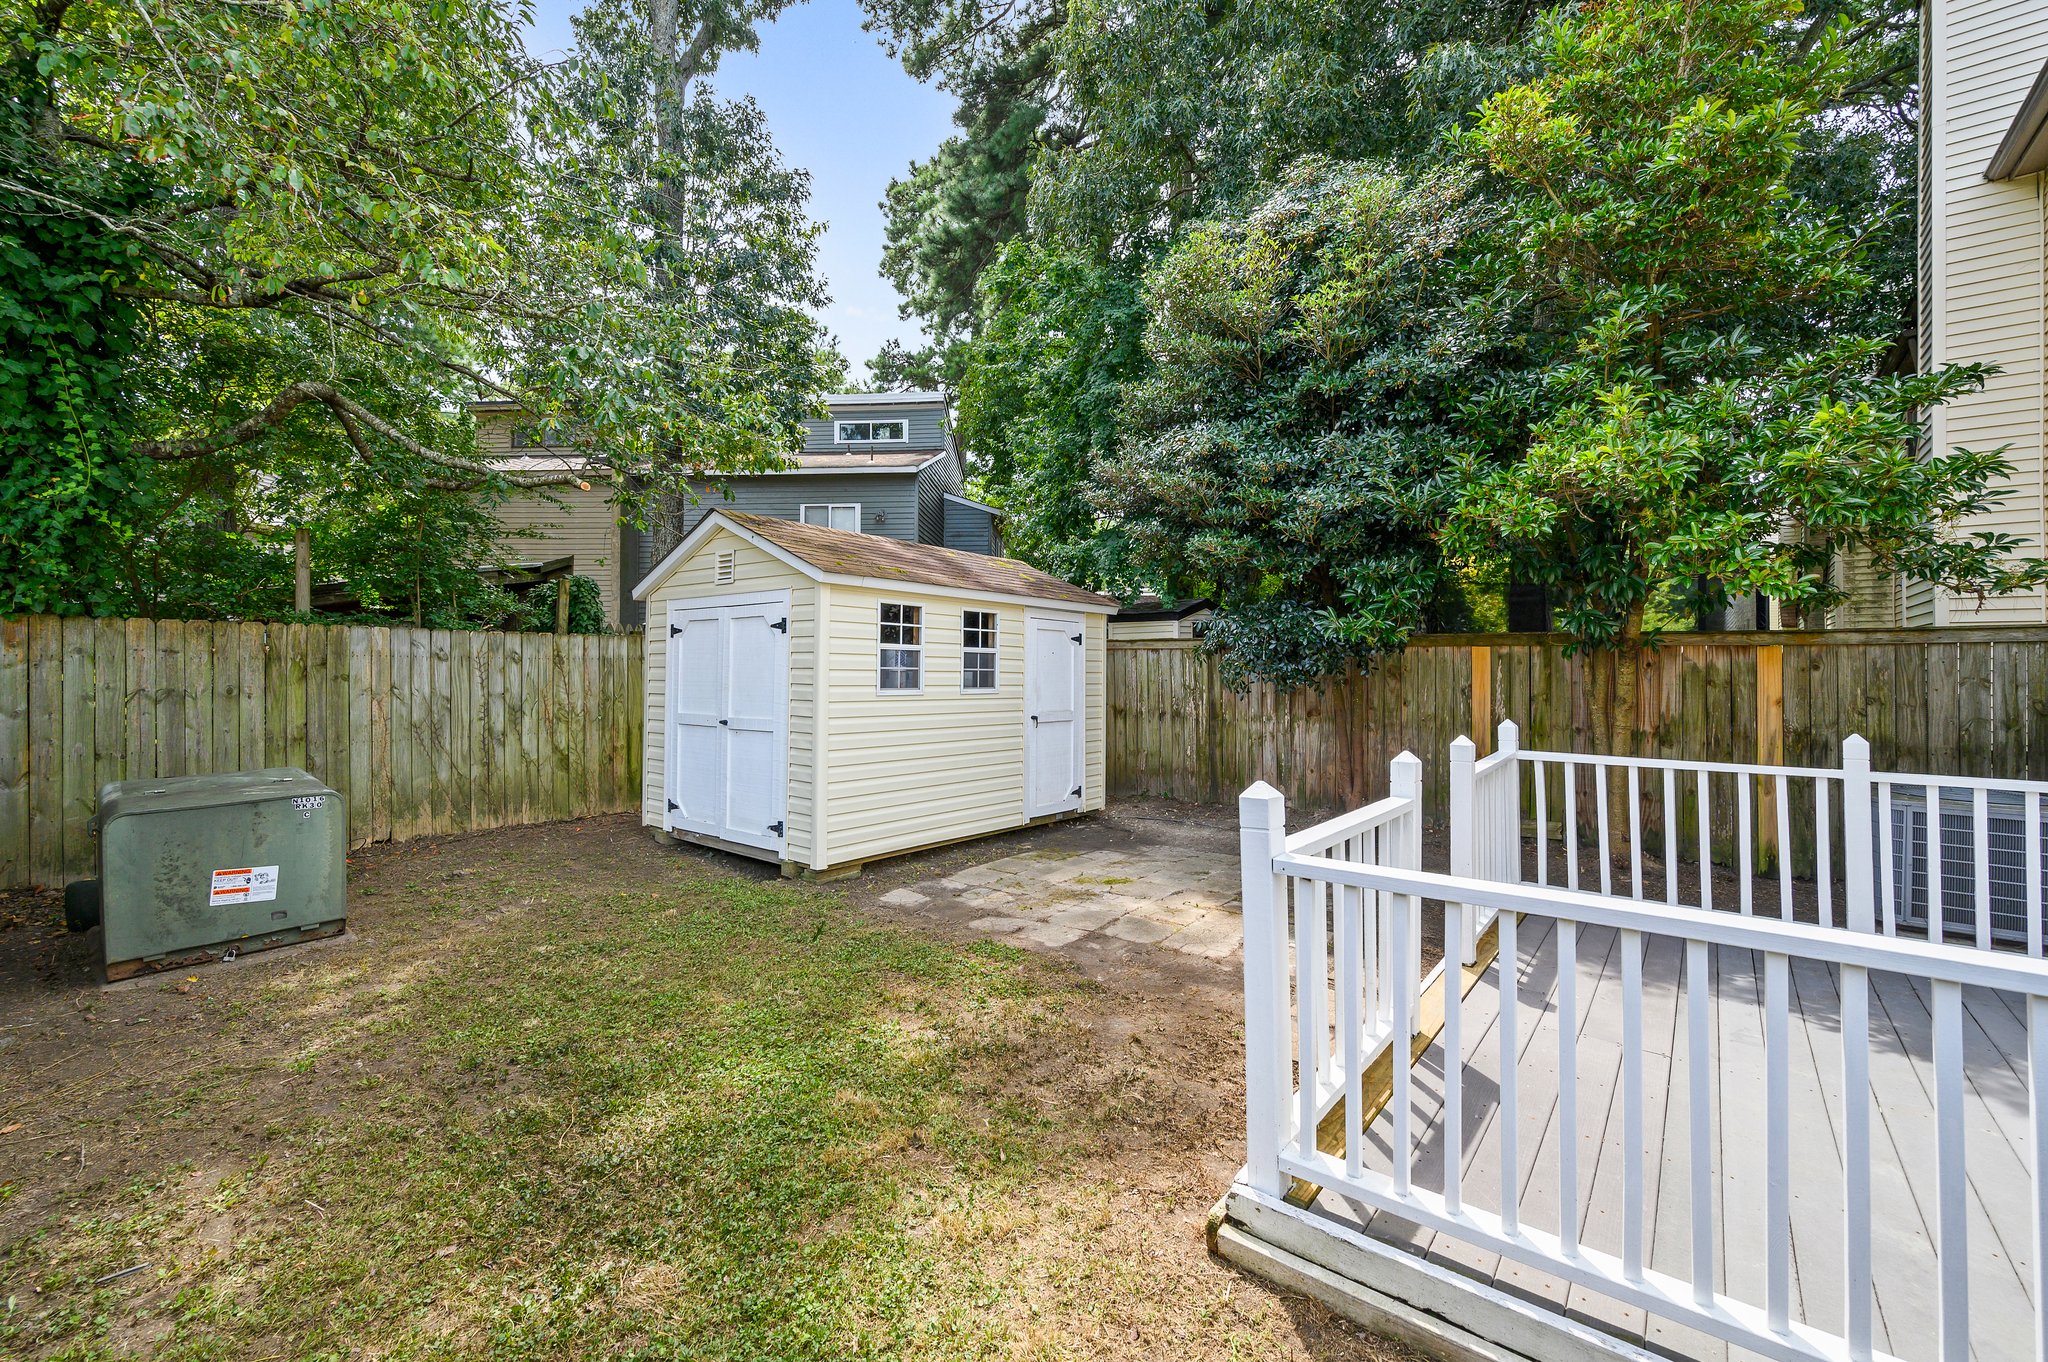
(385, 207)
(1155, 116)
(1709, 413)
(1293, 449)
(1038, 398)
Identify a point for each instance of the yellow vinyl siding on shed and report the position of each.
(753, 570)
(907, 770)
(1987, 279)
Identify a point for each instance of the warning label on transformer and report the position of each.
(249, 884)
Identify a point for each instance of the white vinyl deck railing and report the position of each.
(1357, 899)
(1927, 855)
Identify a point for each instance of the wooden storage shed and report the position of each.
(823, 698)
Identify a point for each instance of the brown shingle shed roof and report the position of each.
(844, 553)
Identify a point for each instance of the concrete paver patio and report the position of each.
(1148, 884)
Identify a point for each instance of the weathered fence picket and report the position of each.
(425, 730)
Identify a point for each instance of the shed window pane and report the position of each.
(901, 653)
(978, 650)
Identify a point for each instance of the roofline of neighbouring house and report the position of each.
(2024, 149)
(998, 512)
(919, 397)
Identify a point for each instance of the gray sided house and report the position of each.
(880, 463)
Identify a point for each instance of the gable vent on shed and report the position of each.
(725, 567)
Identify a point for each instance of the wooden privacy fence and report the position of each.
(1967, 702)
(424, 730)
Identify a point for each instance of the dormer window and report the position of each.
(872, 433)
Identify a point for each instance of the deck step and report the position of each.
(1440, 1312)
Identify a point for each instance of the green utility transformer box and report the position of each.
(200, 868)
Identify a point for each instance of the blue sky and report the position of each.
(844, 110)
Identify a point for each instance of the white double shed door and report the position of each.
(728, 718)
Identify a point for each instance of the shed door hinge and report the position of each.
(781, 624)
(673, 806)
(1074, 793)
(775, 828)
(1076, 637)
(674, 629)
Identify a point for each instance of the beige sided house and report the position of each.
(1983, 276)
(822, 697)
(578, 524)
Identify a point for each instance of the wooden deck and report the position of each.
(1903, 1145)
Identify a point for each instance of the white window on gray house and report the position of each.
(838, 516)
(978, 650)
(902, 647)
(872, 433)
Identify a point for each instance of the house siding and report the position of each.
(969, 528)
(924, 423)
(889, 502)
(1985, 274)
(753, 570)
(906, 771)
(934, 480)
(572, 523)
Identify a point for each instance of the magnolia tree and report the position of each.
(1293, 450)
(1710, 415)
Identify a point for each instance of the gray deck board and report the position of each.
(1902, 1137)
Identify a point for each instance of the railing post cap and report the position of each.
(1463, 748)
(1262, 806)
(1856, 745)
(1508, 731)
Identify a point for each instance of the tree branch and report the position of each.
(351, 414)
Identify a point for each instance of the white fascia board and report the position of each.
(865, 470)
(996, 511)
(712, 521)
(921, 397)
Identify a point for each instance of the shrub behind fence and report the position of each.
(1968, 702)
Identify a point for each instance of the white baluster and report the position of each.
(1632, 1105)
(1952, 1195)
(1858, 873)
(1568, 1086)
(1777, 1145)
(1699, 1071)
(1856, 1159)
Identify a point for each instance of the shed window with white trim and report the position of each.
(978, 650)
(833, 517)
(901, 653)
(872, 433)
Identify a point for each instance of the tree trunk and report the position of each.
(302, 570)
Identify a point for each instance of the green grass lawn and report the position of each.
(697, 1116)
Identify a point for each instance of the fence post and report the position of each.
(1262, 835)
(1404, 778)
(1859, 878)
(1464, 835)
